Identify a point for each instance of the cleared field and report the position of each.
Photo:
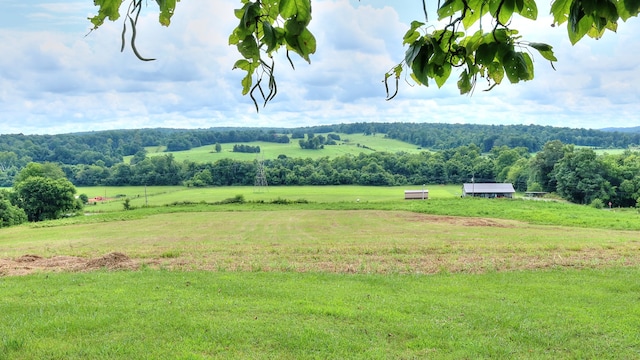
(350, 144)
(162, 195)
(443, 200)
(363, 241)
(379, 278)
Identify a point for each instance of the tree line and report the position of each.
(43, 191)
(107, 148)
(576, 174)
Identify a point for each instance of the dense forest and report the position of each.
(108, 147)
(458, 153)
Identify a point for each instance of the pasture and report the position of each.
(349, 144)
(190, 276)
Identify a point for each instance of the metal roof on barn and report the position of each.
(481, 188)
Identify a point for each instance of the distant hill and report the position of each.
(107, 148)
(635, 129)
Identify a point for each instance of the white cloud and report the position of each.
(54, 79)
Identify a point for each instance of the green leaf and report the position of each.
(496, 72)
(303, 44)
(475, 11)
(442, 74)
(307, 44)
(246, 82)
(420, 64)
(486, 53)
(545, 50)
(589, 6)
(502, 9)
(576, 13)
(560, 9)
(242, 64)
(628, 8)
(250, 16)
(300, 9)
(411, 53)
(527, 72)
(471, 43)
(449, 8)
(107, 9)
(412, 35)
(293, 27)
(609, 11)
(270, 39)
(167, 7)
(506, 11)
(581, 29)
(515, 67)
(529, 9)
(248, 48)
(464, 83)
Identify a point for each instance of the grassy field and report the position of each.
(559, 314)
(443, 200)
(191, 277)
(161, 195)
(348, 145)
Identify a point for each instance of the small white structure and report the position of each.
(416, 194)
(489, 190)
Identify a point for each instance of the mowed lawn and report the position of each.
(376, 278)
(557, 314)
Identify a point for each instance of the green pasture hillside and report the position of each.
(353, 144)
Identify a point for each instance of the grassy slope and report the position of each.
(275, 294)
(348, 145)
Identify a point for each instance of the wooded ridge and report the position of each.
(109, 147)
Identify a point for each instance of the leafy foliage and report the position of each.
(9, 213)
(432, 53)
(44, 193)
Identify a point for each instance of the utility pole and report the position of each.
(261, 178)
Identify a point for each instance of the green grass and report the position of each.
(443, 200)
(363, 241)
(348, 145)
(163, 195)
(197, 315)
(379, 278)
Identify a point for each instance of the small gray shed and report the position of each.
(416, 194)
(489, 190)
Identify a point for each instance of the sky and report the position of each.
(58, 77)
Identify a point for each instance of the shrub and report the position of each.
(238, 199)
(597, 203)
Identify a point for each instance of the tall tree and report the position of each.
(544, 161)
(580, 177)
(44, 195)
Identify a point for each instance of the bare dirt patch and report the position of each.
(457, 220)
(28, 264)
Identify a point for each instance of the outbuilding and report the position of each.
(416, 194)
(489, 190)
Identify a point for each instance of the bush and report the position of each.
(126, 204)
(597, 203)
(238, 199)
(84, 198)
